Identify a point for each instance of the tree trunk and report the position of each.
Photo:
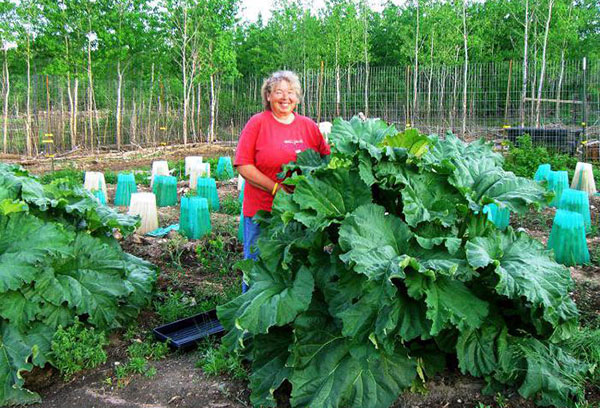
(28, 134)
(213, 105)
(416, 71)
(543, 69)
(90, 93)
(337, 79)
(366, 54)
(199, 111)
(184, 69)
(534, 80)
(429, 81)
(150, 129)
(118, 113)
(6, 93)
(453, 113)
(75, 108)
(559, 85)
(466, 68)
(525, 65)
(133, 124)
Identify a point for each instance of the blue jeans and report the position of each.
(251, 232)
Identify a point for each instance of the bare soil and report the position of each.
(179, 384)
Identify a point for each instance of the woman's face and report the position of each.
(283, 99)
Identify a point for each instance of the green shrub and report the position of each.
(70, 173)
(525, 159)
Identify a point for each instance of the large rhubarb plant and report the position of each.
(58, 261)
(381, 267)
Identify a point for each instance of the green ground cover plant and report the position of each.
(77, 347)
(381, 266)
(59, 262)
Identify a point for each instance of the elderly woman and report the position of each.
(270, 139)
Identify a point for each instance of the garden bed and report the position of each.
(196, 276)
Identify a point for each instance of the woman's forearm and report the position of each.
(256, 177)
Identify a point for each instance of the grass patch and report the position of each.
(230, 205)
(215, 360)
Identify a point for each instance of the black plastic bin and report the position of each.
(185, 333)
(563, 140)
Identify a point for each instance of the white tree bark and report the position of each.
(119, 97)
(430, 80)
(5, 109)
(90, 92)
(416, 71)
(213, 105)
(525, 65)
(543, 68)
(466, 67)
(28, 135)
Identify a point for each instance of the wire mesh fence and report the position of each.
(435, 99)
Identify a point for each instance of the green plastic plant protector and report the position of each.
(577, 201)
(567, 239)
(542, 172)
(165, 188)
(125, 187)
(558, 181)
(499, 216)
(194, 220)
(224, 168)
(207, 188)
(99, 194)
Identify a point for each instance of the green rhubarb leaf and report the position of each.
(375, 242)
(274, 299)
(269, 368)
(9, 206)
(429, 197)
(415, 143)
(525, 269)
(350, 137)
(329, 197)
(449, 302)
(476, 349)
(26, 244)
(15, 308)
(306, 162)
(330, 370)
(14, 356)
(544, 371)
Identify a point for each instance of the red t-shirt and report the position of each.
(269, 144)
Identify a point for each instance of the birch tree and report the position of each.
(7, 42)
(28, 14)
(543, 68)
(466, 66)
(184, 35)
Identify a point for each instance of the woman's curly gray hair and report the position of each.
(274, 79)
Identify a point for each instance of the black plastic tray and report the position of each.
(185, 333)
